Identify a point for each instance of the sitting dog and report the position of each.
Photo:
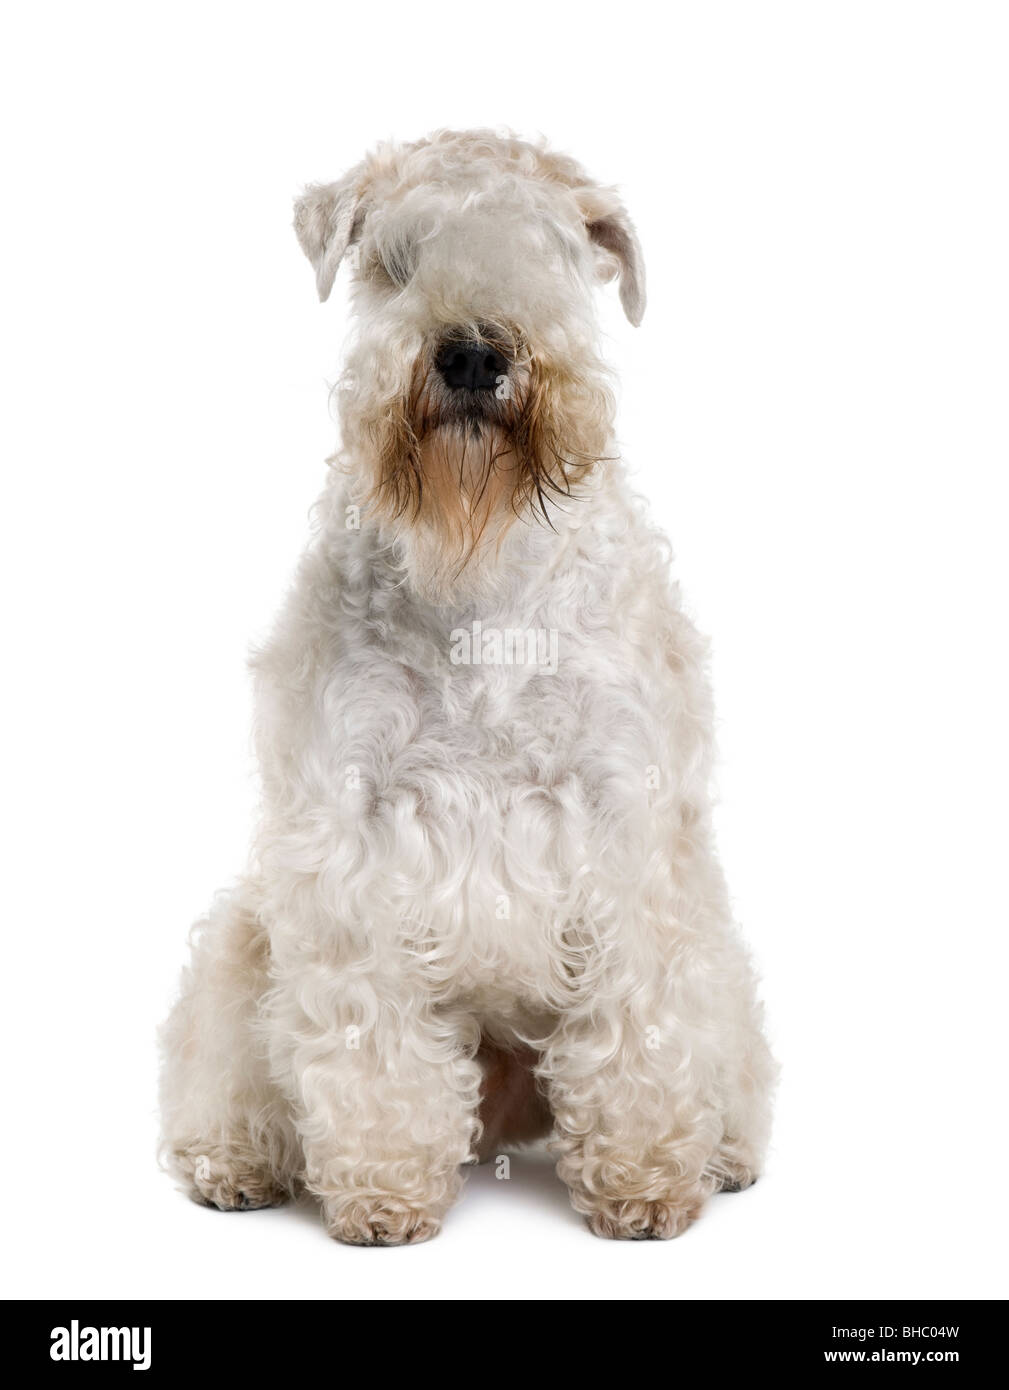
(483, 906)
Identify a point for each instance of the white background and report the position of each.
(816, 406)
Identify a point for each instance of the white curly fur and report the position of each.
(450, 852)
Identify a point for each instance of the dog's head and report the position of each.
(473, 392)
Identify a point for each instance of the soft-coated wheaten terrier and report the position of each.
(483, 905)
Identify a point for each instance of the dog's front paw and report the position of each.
(380, 1220)
(214, 1180)
(638, 1219)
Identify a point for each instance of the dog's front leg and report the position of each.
(385, 1099)
(635, 1127)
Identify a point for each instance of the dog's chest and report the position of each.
(490, 803)
(482, 791)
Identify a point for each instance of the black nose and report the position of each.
(470, 366)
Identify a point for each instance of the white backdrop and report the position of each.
(816, 406)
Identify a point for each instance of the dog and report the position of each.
(483, 906)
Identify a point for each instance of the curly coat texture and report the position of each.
(483, 902)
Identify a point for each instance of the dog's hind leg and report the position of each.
(748, 1081)
(226, 1132)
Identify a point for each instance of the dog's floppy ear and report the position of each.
(609, 226)
(328, 218)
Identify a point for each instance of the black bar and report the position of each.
(187, 1340)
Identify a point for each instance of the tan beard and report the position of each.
(449, 485)
(461, 507)
(467, 468)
